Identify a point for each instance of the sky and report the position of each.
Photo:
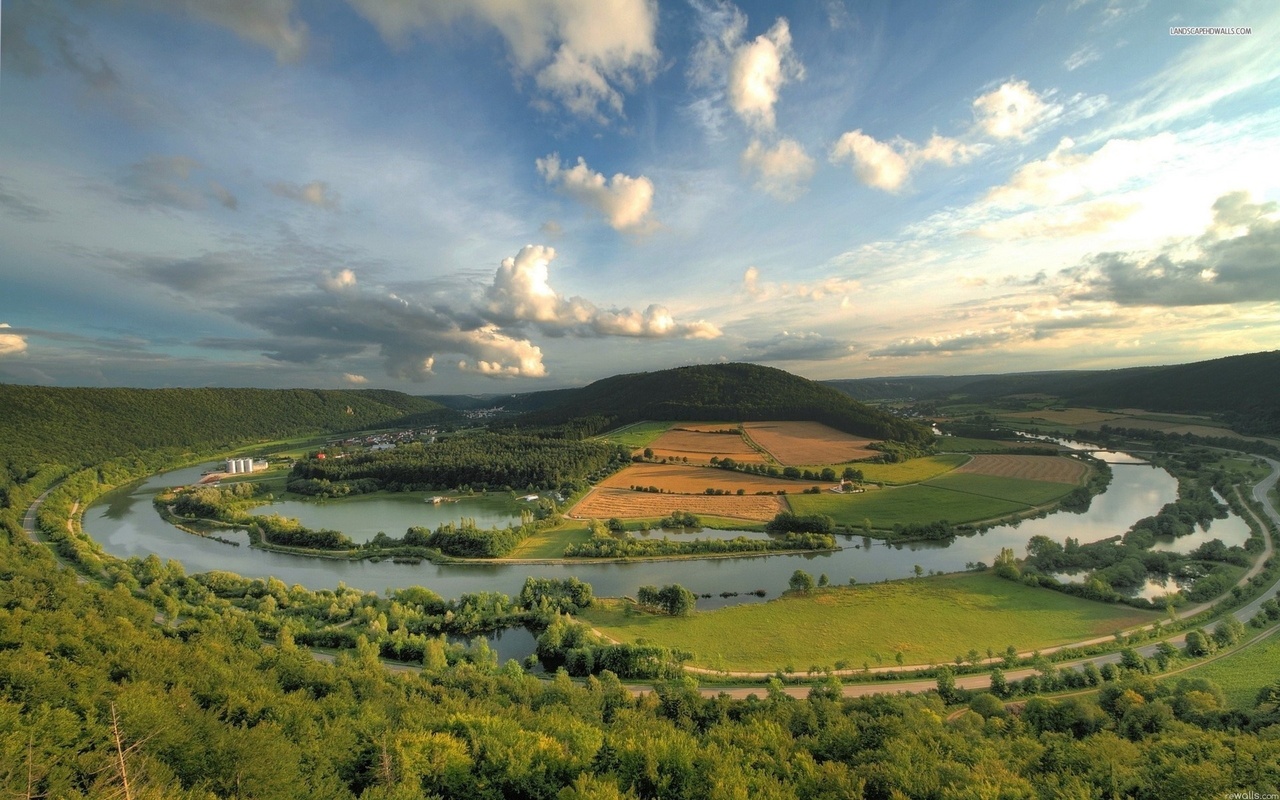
(493, 196)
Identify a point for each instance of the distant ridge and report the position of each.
(729, 392)
(1242, 390)
(87, 425)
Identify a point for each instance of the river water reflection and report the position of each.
(126, 525)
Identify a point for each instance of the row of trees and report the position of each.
(627, 547)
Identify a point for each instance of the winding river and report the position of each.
(126, 525)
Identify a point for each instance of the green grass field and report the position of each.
(1016, 490)
(887, 507)
(636, 435)
(1244, 672)
(551, 544)
(962, 444)
(928, 620)
(913, 471)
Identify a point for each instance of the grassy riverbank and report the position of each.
(927, 619)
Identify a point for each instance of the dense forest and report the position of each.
(736, 392)
(482, 460)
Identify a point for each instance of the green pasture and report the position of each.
(905, 505)
(1015, 490)
(915, 470)
(636, 435)
(963, 444)
(551, 543)
(927, 619)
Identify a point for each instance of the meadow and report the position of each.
(637, 435)
(888, 507)
(915, 470)
(1245, 671)
(1015, 490)
(928, 620)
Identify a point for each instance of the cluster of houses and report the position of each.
(386, 441)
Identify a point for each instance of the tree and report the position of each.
(801, 581)
(676, 600)
(823, 580)
(918, 570)
(648, 452)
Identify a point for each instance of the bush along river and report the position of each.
(126, 524)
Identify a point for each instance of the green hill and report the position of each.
(739, 392)
(42, 424)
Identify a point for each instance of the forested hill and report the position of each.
(729, 392)
(1243, 390)
(42, 424)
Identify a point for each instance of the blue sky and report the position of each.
(511, 195)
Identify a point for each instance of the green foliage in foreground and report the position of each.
(627, 547)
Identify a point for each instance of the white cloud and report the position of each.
(521, 293)
(502, 356)
(1013, 111)
(582, 54)
(748, 75)
(623, 200)
(1066, 175)
(11, 343)
(811, 292)
(781, 170)
(888, 165)
(1085, 55)
(353, 379)
(345, 279)
(757, 73)
(316, 193)
(1073, 220)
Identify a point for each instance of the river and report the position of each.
(125, 524)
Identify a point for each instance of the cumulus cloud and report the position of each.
(624, 201)
(888, 165)
(521, 293)
(581, 55)
(757, 73)
(799, 346)
(819, 290)
(353, 379)
(748, 74)
(1233, 262)
(1066, 174)
(1013, 111)
(343, 280)
(11, 344)
(316, 193)
(781, 170)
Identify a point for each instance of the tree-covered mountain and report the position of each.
(738, 392)
(42, 424)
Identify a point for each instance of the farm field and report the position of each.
(1243, 673)
(927, 620)
(1055, 469)
(699, 446)
(913, 471)
(1064, 416)
(888, 507)
(683, 479)
(796, 443)
(963, 444)
(604, 503)
(1167, 427)
(636, 435)
(1017, 490)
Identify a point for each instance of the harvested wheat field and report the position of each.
(799, 443)
(1054, 469)
(682, 479)
(700, 445)
(604, 503)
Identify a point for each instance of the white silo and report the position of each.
(231, 466)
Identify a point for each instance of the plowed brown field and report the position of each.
(699, 446)
(604, 503)
(1055, 469)
(800, 443)
(696, 480)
